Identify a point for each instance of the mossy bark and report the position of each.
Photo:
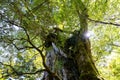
(78, 63)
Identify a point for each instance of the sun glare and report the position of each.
(16, 28)
(89, 34)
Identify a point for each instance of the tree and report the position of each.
(48, 39)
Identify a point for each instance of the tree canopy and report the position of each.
(26, 24)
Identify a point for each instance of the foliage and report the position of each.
(25, 25)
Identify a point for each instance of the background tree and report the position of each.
(49, 39)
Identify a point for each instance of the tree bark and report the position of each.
(60, 64)
(75, 61)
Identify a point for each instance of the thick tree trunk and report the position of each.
(75, 61)
(79, 67)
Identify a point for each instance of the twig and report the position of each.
(38, 71)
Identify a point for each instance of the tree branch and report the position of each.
(103, 22)
(29, 40)
(43, 57)
(10, 67)
(7, 20)
(38, 71)
(21, 73)
(22, 48)
(116, 45)
(38, 6)
(97, 21)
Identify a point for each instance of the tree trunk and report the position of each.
(78, 66)
(59, 63)
(75, 61)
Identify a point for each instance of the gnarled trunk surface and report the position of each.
(78, 67)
